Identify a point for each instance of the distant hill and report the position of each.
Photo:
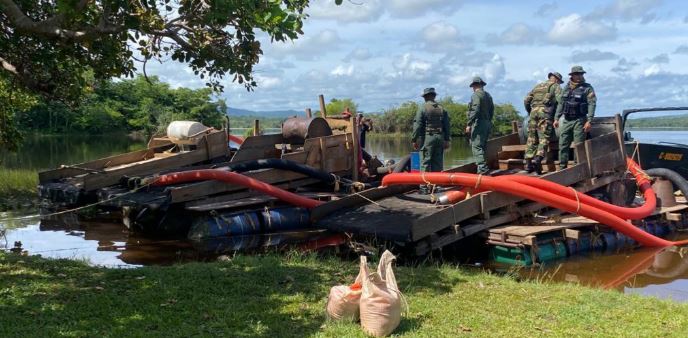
(670, 121)
(265, 114)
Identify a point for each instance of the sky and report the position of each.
(381, 53)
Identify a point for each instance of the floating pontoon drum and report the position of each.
(296, 130)
(184, 130)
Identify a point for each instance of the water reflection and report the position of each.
(660, 272)
(395, 147)
(107, 242)
(45, 152)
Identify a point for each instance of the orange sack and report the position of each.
(343, 301)
(380, 298)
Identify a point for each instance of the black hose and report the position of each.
(403, 164)
(675, 178)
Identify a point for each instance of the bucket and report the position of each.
(225, 224)
(285, 219)
(415, 162)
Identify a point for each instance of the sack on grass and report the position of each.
(380, 299)
(343, 301)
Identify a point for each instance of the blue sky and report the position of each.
(381, 53)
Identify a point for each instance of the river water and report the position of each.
(662, 273)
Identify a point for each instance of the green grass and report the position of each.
(284, 296)
(17, 187)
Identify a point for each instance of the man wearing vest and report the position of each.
(479, 124)
(431, 132)
(541, 103)
(577, 104)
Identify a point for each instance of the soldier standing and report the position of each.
(577, 104)
(479, 124)
(541, 103)
(431, 132)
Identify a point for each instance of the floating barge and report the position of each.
(397, 215)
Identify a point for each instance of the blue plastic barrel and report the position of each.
(415, 161)
(225, 224)
(284, 219)
(580, 245)
(610, 240)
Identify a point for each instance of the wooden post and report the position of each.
(323, 113)
(309, 113)
(256, 127)
(514, 126)
(354, 133)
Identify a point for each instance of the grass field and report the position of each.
(17, 188)
(285, 296)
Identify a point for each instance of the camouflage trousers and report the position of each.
(539, 133)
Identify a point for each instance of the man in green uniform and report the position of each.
(431, 132)
(541, 103)
(479, 124)
(577, 104)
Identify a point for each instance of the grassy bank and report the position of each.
(274, 296)
(17, 188)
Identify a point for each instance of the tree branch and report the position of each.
(8, 67)
(51, 27)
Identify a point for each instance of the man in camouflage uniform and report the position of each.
(431, 132)
(577, 104)
(479, 124)
(541, 103)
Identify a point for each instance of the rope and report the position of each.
(81, 207)
(336, 182)
(578, 202)
(477, 182)
(369, 200)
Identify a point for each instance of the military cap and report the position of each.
(557, 75)
(577, 70)
(428, 91)
(477, 79)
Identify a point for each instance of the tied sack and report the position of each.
(343, 301)
(380, 298)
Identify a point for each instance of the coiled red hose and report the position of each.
(238, 179)
(535, 194)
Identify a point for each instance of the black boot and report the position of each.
(530, 167)
(537, 165)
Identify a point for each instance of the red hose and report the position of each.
(528, 192)
(235, 139)
(238, 179)
(627, 213)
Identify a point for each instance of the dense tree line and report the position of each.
(400, 119)
(673, 121)
(125, 106)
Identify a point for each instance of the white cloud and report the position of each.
(591, 55)
(516, 34)
(348, 11)
(308, 48)
(624, 66)
(682, 49)
(267, 81)
(407, 66)
(443, 38)
(627, 10)
(654, 69)
(576, 29)
(546, 9)
(360, 54)
(661, 58)
(343, 71)
(417, 8)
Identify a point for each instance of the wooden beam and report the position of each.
(309, 113)
(354, 132)
(321, 100)
(256, 127)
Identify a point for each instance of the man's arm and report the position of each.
(473, 109)
(560, 106)
(418, 126)
(527, 101)
(592, 103)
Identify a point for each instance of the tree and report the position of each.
(46, 46)
(336, 106)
